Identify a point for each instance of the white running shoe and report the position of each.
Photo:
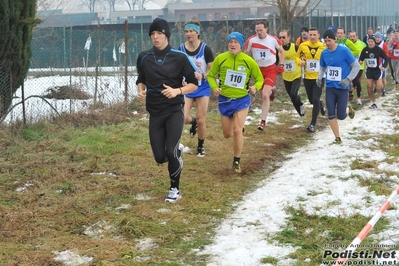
(359, 102)
(173, 196)
(302, 110)
(200, 152)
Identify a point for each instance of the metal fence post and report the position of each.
(126, 58)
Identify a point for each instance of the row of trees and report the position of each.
(132, 4)
(91, 5)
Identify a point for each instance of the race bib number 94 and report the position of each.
(312, 65)
(235, 79)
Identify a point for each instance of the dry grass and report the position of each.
(89, 184)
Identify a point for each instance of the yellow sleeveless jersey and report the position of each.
(292, 69)
(310, 53)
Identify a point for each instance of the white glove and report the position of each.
(319, 82)
(345, 82)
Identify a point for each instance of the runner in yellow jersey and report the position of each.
(309, 54)
(292, 71)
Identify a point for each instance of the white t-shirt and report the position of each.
(263, 50)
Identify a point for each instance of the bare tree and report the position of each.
(290, 10)
(136, 4)
(43, 5)
(111, 4)
(91, 4)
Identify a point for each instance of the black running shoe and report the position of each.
(322, 108)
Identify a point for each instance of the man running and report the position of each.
(384, 46)
(292, 72)
(202, 57)
(161, 70)
(373, 56)
(234, 69)
(263, 48)
(357, 81)
(340, 67)
(309, 53)
(393, 47)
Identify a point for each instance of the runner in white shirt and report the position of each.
(263, 48)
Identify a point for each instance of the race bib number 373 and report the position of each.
(334, 73)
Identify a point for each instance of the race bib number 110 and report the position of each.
(235, 79)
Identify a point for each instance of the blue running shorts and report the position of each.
(229, 106)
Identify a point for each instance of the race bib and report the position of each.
(371, 62)
(396, 52)
(289, 66)
(334, 73)
(260, 54)
(312, 65)
(235, 79)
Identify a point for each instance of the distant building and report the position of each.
(179, 10)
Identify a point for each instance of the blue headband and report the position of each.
(192, 26)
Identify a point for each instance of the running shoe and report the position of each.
(322, 108)
(311, 128)
(351, 112)
(173, 195)
(337, 140)
(373, 106)
(236, 167)
(262, 125)
(200, 152)
(302, 110)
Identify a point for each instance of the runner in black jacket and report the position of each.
(160, 74)
(376, 61)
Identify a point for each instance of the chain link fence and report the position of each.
(78, 69)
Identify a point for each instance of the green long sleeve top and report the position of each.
(233, 73)
(352, 47)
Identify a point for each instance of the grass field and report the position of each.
(87, 185)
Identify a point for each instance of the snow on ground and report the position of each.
(318, 174)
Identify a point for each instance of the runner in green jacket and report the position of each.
(233, 69)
